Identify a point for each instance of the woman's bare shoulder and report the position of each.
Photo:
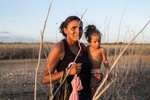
(57, 52)
(58, 47)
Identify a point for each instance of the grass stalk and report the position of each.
(108, 85)
(39, 56)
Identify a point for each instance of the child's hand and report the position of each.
(97, 77)
(109, 77)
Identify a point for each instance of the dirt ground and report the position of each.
(17, 79)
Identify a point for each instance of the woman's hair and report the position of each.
(66, 22)
(91, 30)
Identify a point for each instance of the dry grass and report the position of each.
(30, 50)
(22, 50)
(134, 49)
(17, 75)
(133, 79)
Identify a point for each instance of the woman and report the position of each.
(63, 53)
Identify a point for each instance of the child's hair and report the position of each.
(91, 30)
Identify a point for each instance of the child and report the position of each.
(97, 55)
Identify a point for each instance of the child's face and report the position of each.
(95, 41)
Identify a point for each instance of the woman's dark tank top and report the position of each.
(84, 74)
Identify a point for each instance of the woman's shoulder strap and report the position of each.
(83, 47)
(65, 44)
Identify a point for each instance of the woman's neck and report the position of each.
(71, 43)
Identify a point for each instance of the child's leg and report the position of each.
(95, 82)
(93, 88)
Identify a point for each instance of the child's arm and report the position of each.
(105, 62)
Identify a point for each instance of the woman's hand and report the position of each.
(75, 68)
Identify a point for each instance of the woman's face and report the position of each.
(74, 30)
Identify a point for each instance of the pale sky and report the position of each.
(22, 20)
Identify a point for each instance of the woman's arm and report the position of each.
(55, 55)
